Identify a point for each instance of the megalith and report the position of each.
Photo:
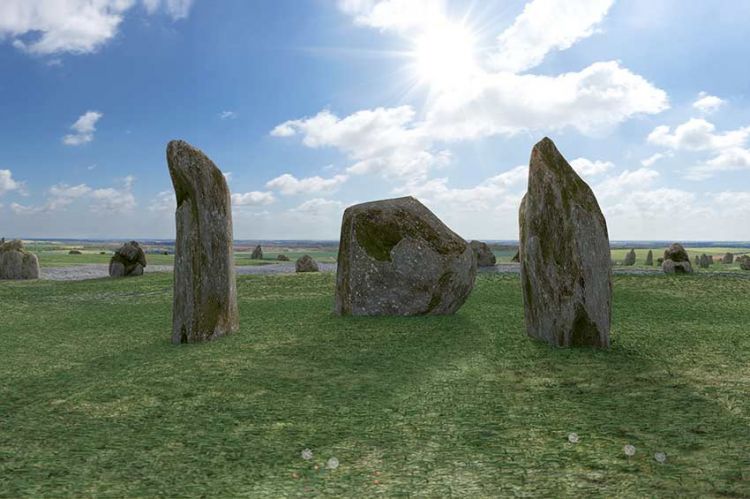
(484, 255)
(650, 258)
(129, 260)
(16, 262)
(630, 258)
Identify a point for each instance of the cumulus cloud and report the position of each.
(83, 129)
(288, 184)
(588, 168)
(227, 115)
(654, 158)
(544, 26)
(164, 201)
(708, 103)
(397, 15)
(319, 207)
(627, 181)
(253, 198)
(7, 183)
(44, 27)
(107, 199)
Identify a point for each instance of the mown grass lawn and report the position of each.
(95, 401)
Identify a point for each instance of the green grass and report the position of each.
(718, 253)
(95, 401)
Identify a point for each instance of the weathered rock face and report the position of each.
(676, 260)
(397, 258)
(484, 255)
(672, 267)
(257, 253)
(16, 262)
(205, 295)
(630, 258)
(128, 260)
(745, 263)
(282, 258)
(649, 258)
(704, 261)
(565, 256)
(676, 253)
(728, 258)
(306, 263)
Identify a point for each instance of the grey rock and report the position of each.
(282, 258)
(660, 261)
(672, 267)
(650, 258)
(128, 260)
(630, 258)
(566, 273)
(676, 253)
(484, 255)
(257, 253)
(745, 263)
(704, 262)
(397, 258)
(305, 263)
(205, 290)
(16, 263)
(728, 258)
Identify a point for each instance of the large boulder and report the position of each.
(484, 255)
(566, 271)
(745, 263)
(676, 252)
(676, 260)
(305, 263)
(257, 253)
(397, 258)
(16, 262)
(205, 294)
(728, 258)
(630, 258)
(649, 258)
(128, 260)
(282, 258)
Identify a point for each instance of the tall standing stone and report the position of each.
(205, 294)
(630, 258)
(728, 258)
(257, 253)
(650, 258)
(565, 256)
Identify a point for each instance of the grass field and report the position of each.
(95, 401)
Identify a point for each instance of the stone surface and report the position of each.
(205, 294)
(257, 253)
(728, 258)
(659, 260)
(128, 260)
(282, 258)
(649, 258)
(305, 263)
(565, 256)
(676, 253)
(16, 262)
(672, 267)
(630, 258)
(397, 258)
(745, 263)
(704, 261)
(484, 255)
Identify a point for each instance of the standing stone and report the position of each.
(728, 258)
(205, 294)
(306, 263)
(128, 260)
(16, 262)
(566, 272)
(630, 258)
(710, 259)
(697, 261)
(745, 263)
(650, 258)
(257, 253)
(704, 261)
(484, 255)
(397, 258)
(282, 258)
(676, 260)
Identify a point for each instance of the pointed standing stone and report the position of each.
(650, 258)
(205, 295)
(565, 255)
(630, 258)
(257, 253)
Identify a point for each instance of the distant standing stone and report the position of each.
(704, 261)
(676, 260)
(650, 258)
(565, 256)
(484, 255)
(128, 260)
(16, 262)
(282, 258)
(205, 294)
(630, 258)
(745, 263)
(74, 252)
(257, 253)
(728, 258)
(397, 258)
(306, 264)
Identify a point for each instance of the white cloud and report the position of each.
(398, 15)
(45, 27)
(708, 103)
(698, 134)
(654, 158)
(227, 115)
(288, 184)
(319, 207)
(546, 25)
(84, 129)
(626, 181)
(164, 201)
(253, 198)
(111, 199)
(588, 168)
(7, 183)
(60, 196)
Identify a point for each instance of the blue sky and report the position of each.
(310, 106)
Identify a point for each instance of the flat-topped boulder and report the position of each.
(397, 258)
(16, 263)
(205, 293)
(129, 260)
(565, 255)
(305, 263)
(484, 255)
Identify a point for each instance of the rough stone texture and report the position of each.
(676, 253)
(205, 294)
(128, 260)
(397, 258)
(16, 262)
(630, 258)
(257, 253)
(516, 258)
(745, 263)
(704, 261)
(650, 258)
(566, 272)
(672, 267)
(306, 263)
(484, 255)
(282, 258)
(728, 258)
(659, 261)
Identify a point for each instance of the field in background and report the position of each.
(95, 401)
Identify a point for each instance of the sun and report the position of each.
(445, 55)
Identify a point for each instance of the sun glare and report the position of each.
(444, 56)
